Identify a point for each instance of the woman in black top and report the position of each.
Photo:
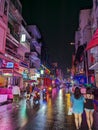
(89, 107)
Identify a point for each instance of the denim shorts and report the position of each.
(86, 109)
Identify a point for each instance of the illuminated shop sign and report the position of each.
(7, 64)
(25, 75)
(16, 65)
(23, 64)
(7, 74)
(10, 65)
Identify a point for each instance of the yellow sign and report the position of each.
(2, 81)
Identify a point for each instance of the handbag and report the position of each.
(70, 111)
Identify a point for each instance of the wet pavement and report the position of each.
(48, 115)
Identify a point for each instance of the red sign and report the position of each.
(47, 82)
(7, 71)
(7, 64)
(16, 65)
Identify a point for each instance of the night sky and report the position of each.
(57, 21)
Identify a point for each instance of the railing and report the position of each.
(12, 31)
(16, 36)
(13, 53)
(17, 5)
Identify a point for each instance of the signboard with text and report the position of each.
(7, 64)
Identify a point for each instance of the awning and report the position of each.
(93, 42)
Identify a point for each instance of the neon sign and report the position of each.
(9, 65)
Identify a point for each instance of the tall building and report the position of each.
(88, 33)
(82, 37)
(92, 46)
(16, 41)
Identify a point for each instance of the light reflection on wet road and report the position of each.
(51, 115)
(48, 115)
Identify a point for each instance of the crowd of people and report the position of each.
(30, 91)
(84, 102)
(80, 103)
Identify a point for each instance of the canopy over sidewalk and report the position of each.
(93, 42)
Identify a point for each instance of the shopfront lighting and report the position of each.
(42, 71)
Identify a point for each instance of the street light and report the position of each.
(72, 43)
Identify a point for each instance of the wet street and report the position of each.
(48, 115)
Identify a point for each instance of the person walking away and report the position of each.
(96, 107)
(16, 94)
(89, 107)
(28, 92)
(77, 104)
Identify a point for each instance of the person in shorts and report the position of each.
(77, 104)
(89, 107)
(16, 94)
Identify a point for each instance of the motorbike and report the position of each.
(36, 98)
(50, 91)
(44, 94)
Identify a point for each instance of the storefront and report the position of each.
(92, 49)
(23, 70)
(11, 72)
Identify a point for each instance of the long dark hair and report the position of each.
(77, 93)
(89, 90)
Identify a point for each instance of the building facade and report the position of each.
(88, 33)
(17, 39)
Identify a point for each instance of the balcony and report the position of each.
(13, 32)
(15, 10)
(13, 53)
(12, 41)
(16, 36)
(17, 5)
(12, 47)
